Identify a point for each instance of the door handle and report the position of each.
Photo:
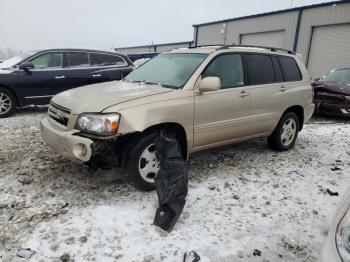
(243, 94)
(283, 88)
(60, 77)
(96, 75)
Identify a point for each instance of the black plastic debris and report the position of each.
(171, 182)
(191, 256)
(332, 193)
(25, 253)
(336, 168)
(256, 252)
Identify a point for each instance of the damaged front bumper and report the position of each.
(72, 146)
(332, 104)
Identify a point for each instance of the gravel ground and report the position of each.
(241, 197)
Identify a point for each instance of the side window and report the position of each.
(52, 60)
(229, 68)
(77, 59)
(259, 69)
(278, 70)
(290, 69)
(106, 60)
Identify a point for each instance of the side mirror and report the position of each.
(210, 83)
(26, 66)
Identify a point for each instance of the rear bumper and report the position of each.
(67, 144)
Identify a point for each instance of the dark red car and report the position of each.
(332, 93)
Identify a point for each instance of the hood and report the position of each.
(335, 88)
(6, 71)
(97, 97)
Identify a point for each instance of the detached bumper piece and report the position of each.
(171, 183)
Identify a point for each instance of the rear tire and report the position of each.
(286, 132)
(7, 103)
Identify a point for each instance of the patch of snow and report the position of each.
(241, 198)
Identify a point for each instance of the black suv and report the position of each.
(35, 77)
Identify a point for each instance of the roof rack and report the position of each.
(212, 45)
(221, 47)
(272, 49)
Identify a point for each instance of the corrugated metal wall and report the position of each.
(218, 34)
(328, 15)
(151, 48)
(232, 32)
(135, 50)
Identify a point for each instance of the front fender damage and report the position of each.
(103, 155)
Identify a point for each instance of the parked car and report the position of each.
(208, 97)
(332, 93)
(337, 244)
(136, 56)
(139, 62)
(35, 77)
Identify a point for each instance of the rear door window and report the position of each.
(290, 69)
(229, 68)
(77, 60)
(106, 60)
(278, 70)
(260, 69)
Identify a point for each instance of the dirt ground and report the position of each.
(241, 197)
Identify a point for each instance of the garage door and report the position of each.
(330, 48)
(272, 39)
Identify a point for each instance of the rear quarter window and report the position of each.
(106, 60)
(290, 69)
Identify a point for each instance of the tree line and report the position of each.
(9, 52)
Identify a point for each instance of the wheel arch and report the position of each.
(129, 140)
(12, 92)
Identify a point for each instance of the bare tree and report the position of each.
(9, 52)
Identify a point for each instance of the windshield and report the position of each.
(169, 70)
(340, 75)
(15, 60)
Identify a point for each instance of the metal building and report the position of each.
(320, 33)
(144, 51)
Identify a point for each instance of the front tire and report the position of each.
(7, 103)
(286, 132)
(140, 163)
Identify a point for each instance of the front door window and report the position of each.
(48, 61)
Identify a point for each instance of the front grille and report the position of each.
(59, 114)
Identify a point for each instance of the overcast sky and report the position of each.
(33, 24)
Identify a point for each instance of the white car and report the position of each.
(337, 245)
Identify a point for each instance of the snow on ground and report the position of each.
(241, 197)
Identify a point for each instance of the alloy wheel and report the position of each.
(289, 130)
(148, 164)
(5, 103)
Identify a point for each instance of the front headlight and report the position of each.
(98, 124)
(343, 237)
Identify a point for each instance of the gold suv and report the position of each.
(207, 96)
